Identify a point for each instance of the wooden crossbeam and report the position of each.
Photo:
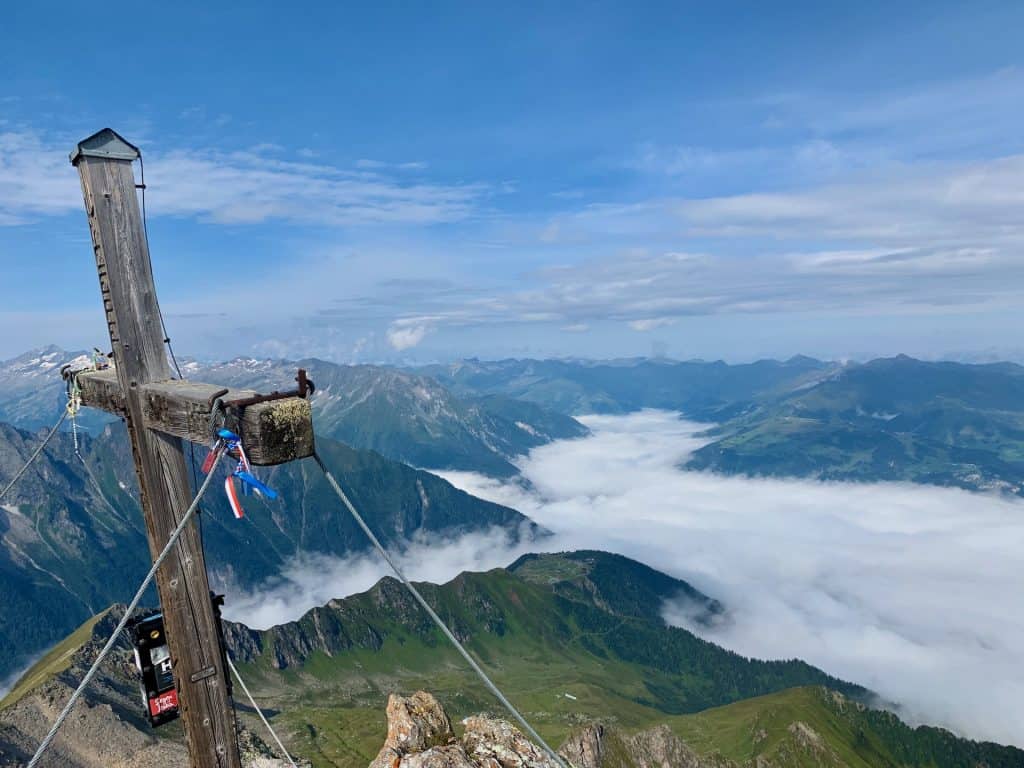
(273, 433)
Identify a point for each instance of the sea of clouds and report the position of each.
(913, 591)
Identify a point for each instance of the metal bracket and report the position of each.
(305, 388)
(203, 674)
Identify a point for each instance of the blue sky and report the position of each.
(420, 183)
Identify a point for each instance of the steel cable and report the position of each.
(115, 636)
(39, 450)
(437, 619)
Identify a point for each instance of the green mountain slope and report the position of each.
(561, 634)
(566, 631)
(613, 582)
(893, 419)
(812, 726)
(72, 544)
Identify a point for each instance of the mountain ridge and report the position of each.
(328, 705)
(889, 419)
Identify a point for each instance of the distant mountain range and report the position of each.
(400, 414)
(32, 392)
(701, 390)
(888, 419)
(575, 639)
(406, 416)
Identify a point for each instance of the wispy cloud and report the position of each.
(971, 204)
(413, 165)
(35, 179)
(313, 579)
(651, 323)
(807, 136)
(243, 187)
(856, 224)
(249, 187)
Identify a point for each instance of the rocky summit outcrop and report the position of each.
(420, 735)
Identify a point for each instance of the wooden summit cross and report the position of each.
(161, 412)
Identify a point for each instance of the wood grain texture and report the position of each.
(101, 389)
(129, 300)
(273, 433)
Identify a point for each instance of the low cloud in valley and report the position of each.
(913, 591)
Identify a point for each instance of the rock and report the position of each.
(420, 736)
(600, 746)
(450, 756)
(256, 753)
(415, 725)
(585, 747)
(660, 748)
(806, 736)
(494, 743)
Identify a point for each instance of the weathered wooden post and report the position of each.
(160, 412)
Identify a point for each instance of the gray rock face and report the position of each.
(494, 743)
(660, 748)
(420, 736)
(585, 748)
(598, 746)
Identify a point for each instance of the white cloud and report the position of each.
(407, 333)
(7, 683)
(651, 323)
(909, 590)
(35, 179)
(406, 337)
(312, 579)
(243, 187)
(973, 204)
(415, 165)
(249, 187)
(895, 261)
